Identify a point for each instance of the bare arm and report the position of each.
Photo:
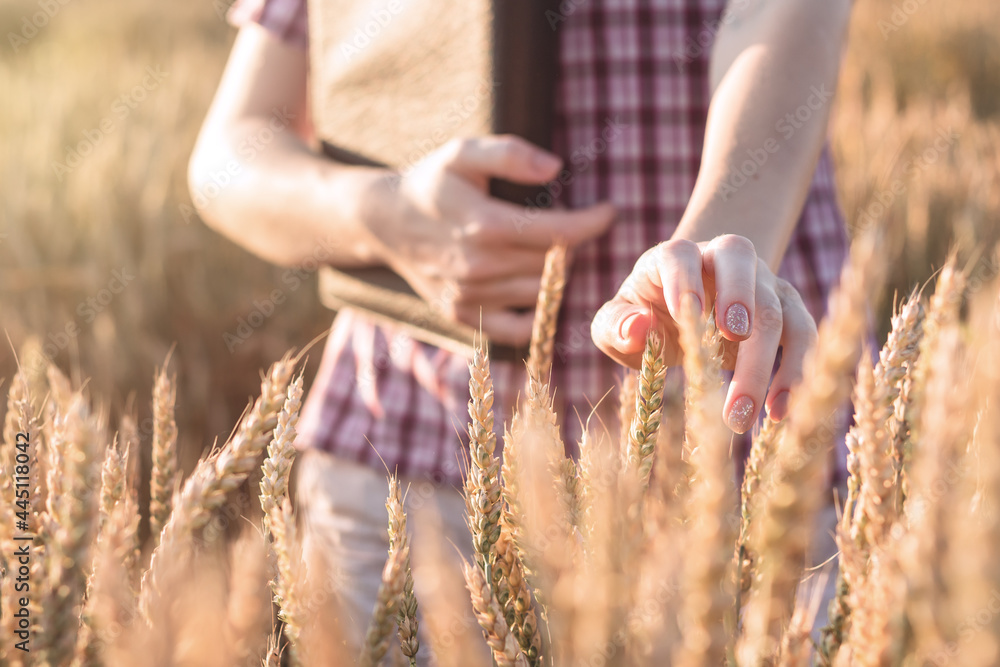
(774, 71)
(281, 201)
(467, 254)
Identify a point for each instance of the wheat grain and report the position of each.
(506, 652)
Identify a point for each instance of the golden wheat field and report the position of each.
(156, 548)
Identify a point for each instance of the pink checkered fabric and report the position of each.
(632, 103)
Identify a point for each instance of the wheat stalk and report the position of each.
(287, 594)
(709, 601)
(782, 536)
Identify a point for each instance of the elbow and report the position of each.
(207, 180)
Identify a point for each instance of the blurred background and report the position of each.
(104, 265)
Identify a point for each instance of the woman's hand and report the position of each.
(755, 312)
(476, 258)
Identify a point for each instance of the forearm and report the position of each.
(774, 69)
(279, 199)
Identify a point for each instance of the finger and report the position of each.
(798, 336)
(732, 260)
(754, 364)
(502, 156)
(619, 329)
(675, 267)
(491, 263)
(543, 228)
(504, 327)
(516, 292)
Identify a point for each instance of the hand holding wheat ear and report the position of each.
(755, 311)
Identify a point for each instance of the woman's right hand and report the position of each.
(475, 258)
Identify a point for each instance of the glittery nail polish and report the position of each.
(738, 320)
(741, 414)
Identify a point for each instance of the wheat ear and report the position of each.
(942, 437)
(214, 478)
(406, 614)
(515, 600)
(648, 402)
(278, 519)
(506, 652)
(376, 642)
(543, 329)
(483, 490)
(762, 451)
(277, 466)
(71, 535)
(164, 455)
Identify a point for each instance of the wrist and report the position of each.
(369, 195)
(710, 222)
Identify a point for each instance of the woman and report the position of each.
(710, 179)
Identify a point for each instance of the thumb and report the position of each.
(619, 329)
(508, 157)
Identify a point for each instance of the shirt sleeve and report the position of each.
(286, 19)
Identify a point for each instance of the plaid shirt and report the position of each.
(631, 108)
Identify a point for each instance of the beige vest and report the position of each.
(392, 80)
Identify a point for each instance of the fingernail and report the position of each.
(626, 325)
(741, 414)
(779, 407)
(546, 161)
(738, 320)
